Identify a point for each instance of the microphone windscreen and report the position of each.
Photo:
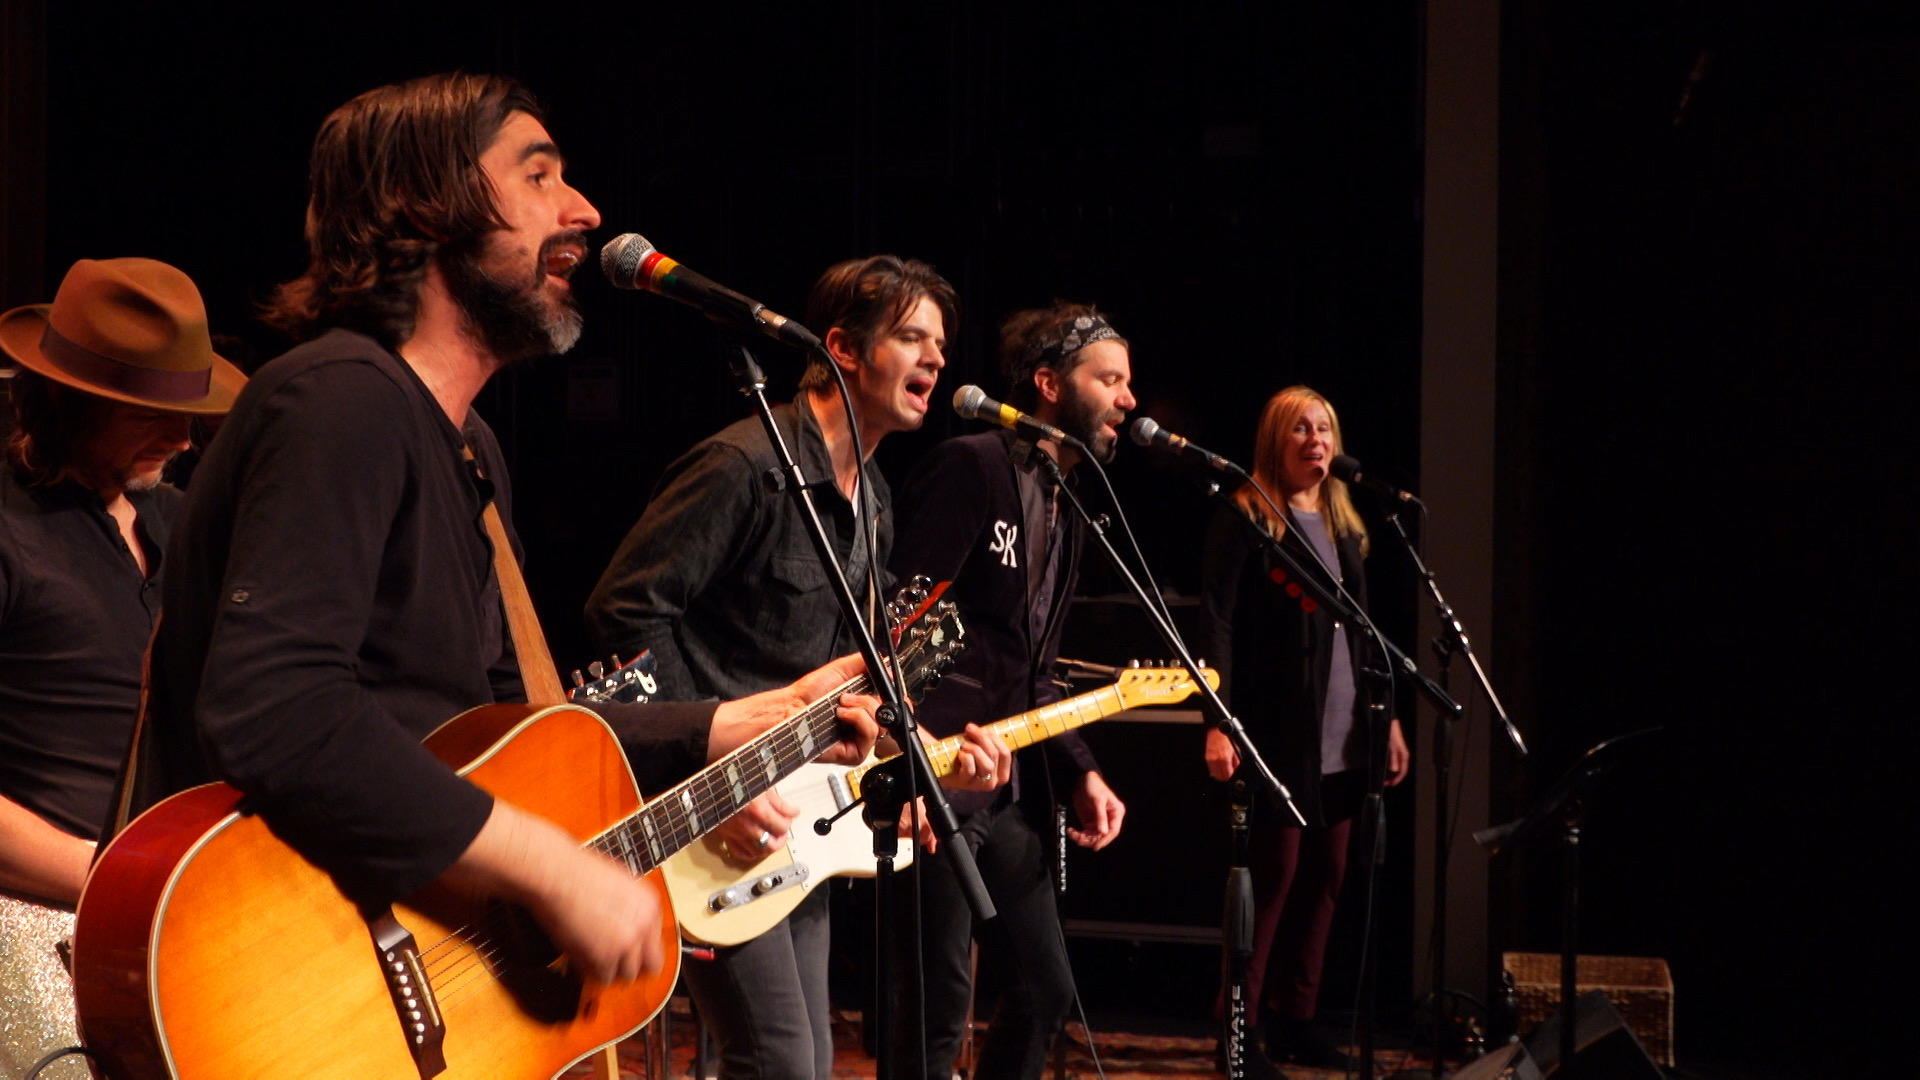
(620, 259)
(1345, 467)
(968, 401)
(1143, 431)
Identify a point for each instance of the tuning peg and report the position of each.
(594, 669)
(1201, 662)
(579, 679)
(613, 662)
(1133, 663)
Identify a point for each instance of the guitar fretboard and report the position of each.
(1027, 728)
(697, 805)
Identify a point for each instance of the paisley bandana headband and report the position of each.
(1080, 333)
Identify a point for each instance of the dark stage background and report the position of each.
(1706, 490)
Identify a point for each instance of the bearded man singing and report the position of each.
(331, 596)
(978, 511)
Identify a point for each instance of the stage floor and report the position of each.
(1124, 1055)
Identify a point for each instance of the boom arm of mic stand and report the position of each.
(1457, 634)
(895, 713)
(1228, 722)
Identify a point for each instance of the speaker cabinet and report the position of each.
(1604, 1048)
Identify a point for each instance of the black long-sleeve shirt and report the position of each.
(75, 617)
(331, 600)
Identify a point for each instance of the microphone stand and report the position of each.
(1171, 637)
(883, 791)
(1237, 932)
(1452, 641)
(1316, 587)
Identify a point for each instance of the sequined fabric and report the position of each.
(36, 993)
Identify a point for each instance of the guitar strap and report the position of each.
(537, 673)
(124, 790)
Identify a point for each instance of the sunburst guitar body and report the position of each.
(207, 949)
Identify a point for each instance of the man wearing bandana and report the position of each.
(981, 512)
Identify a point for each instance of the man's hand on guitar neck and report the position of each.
(606, 920)
(737, 722)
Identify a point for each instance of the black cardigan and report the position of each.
(1274, 656)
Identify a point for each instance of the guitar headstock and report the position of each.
(633, 681)
(927, 634)
(1141, 685)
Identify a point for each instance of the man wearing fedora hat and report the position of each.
(110, 377)
(332, 595)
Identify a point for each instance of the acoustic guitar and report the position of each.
(206, 949)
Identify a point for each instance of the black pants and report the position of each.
(1023, 948)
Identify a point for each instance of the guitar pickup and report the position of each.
(746, 892)
(842, 792)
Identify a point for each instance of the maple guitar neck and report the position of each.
(1024, 730)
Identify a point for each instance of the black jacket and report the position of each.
(1274, 655)
(719, 576)
(955, 515)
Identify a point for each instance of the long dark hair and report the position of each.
(50, 424)
(395, 174)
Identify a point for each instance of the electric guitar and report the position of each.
(206, 948)
(721, 901)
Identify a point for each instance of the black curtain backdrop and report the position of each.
(1708, 483)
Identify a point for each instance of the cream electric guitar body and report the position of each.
(725, 901)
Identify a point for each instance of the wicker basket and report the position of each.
(1640, 987)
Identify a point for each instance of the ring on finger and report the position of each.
(725, 851)
(765, 839)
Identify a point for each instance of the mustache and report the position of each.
(573, 240)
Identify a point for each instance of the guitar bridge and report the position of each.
(413, 1000)
(746, 892)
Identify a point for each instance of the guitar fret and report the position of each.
(693, 812)
(653, 837)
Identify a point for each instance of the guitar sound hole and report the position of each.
(529, 967)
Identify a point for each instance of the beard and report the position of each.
(1087, 421)
(513, 320)
(145, 479)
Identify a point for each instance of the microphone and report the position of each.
(631, 262)
(973, 403)
(1149, 434)
(1347, 467)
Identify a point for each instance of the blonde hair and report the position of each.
(1283, 411)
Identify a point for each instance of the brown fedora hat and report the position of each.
(131, 330)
